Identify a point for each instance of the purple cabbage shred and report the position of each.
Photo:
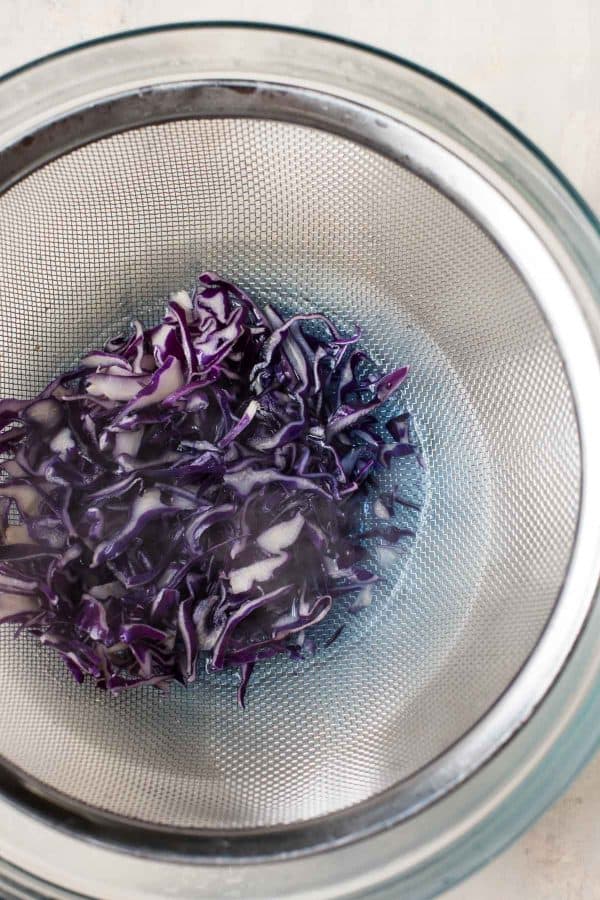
(195, 491)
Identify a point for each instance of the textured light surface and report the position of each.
(291, 213)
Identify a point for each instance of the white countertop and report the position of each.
(538, 63)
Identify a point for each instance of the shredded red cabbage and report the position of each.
(195, 490)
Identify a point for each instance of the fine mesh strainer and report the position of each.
(345, 182)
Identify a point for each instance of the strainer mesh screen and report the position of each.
(101, 235)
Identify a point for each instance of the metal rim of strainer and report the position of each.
(551, 237)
